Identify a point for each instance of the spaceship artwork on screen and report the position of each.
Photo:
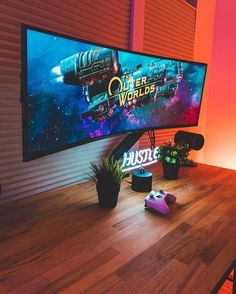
(78, 91)
(107, 85)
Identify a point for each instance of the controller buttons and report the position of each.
(151, 195)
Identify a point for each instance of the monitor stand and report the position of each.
(126, 144)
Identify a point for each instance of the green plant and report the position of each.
(109, 171)
(175, 154)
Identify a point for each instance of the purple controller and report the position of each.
(159, 200)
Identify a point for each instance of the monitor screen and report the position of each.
(75, 91)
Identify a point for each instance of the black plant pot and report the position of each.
(107, 194)
(170, 171)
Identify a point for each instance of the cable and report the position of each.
(128, 182)
(151, 135)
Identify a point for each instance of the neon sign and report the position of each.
(136, 159)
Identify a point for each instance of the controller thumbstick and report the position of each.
(161, 191)
(151, 195)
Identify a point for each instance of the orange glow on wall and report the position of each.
(220, 147)
(203, 44)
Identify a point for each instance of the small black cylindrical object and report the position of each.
(195, 141)
(141, 181)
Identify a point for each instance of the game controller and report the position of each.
(159, 200)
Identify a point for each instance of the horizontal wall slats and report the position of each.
(49, 11)
(42, 176)
(57, 23)
(105, 22)
(169, 30)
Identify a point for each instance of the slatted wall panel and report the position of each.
(96, 20)
(169, 30)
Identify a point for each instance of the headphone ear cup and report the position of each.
(195, 141)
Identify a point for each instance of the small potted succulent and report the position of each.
(172, 157)
(107, 176)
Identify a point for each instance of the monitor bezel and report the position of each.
(24, 93)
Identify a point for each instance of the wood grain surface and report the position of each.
(62, 242)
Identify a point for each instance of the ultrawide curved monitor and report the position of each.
(74, 91)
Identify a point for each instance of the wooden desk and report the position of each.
(63, 242)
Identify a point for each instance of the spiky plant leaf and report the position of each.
(108, 170)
